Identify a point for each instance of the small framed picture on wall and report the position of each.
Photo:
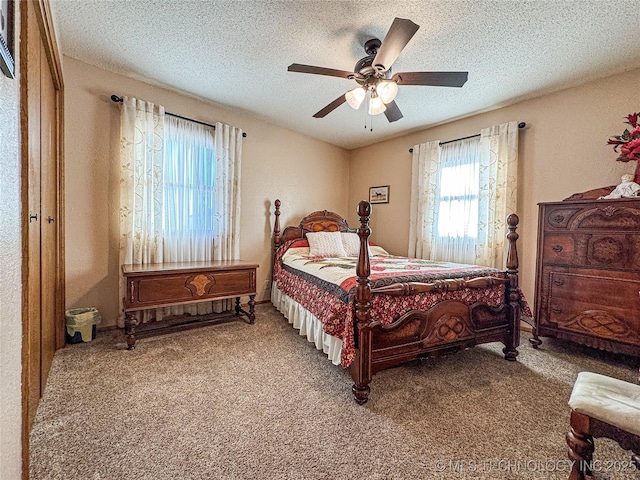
(7, 63)
(379, 194)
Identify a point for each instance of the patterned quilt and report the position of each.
(325, 287)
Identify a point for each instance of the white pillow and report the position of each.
(351, 243)
(325, 244)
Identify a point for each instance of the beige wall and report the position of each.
(10, 274)
(304, 173)
(562, 151)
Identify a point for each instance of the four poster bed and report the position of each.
(406, 309)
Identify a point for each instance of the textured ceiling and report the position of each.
(236, 53)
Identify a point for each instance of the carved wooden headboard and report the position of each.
(320, 221)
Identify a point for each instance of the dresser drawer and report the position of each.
(559, 249)
(593, 217)
(609, 250)
(596, 305)
(558, 217)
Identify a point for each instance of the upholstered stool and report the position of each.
(602, 406)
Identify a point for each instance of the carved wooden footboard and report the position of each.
(448, 325)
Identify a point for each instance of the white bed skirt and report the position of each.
(307, 324)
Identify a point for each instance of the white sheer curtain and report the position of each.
(141, 183)
(455, 225)
(461, 195)
(189, 191)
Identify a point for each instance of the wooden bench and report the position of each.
(161, 285)
(602, 406)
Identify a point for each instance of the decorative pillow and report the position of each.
(351, 243)
(325, 244)
(299, 244)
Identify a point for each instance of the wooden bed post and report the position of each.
(361, 366)
(512, 290)
(276, 238)
(276, 228)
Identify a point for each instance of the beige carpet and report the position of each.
(240, 401)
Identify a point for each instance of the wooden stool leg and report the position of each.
(581, 446)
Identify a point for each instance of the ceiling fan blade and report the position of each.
(399, 34)
(296, 67)
(392, 112)
(434, 79)
(331, 107)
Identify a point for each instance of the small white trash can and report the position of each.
(81, 324)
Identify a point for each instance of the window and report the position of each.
(461, 193)
(189, 179)
(456, 201)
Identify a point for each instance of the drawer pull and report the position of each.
(556, 309)
(557, 248)
(558, 282)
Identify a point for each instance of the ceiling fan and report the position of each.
(373, 74)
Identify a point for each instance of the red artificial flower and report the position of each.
(629, 142)
(631, 149)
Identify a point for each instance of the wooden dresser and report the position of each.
(160, 285)
(588, 273)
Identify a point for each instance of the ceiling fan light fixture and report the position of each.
(355, 97)
(376, 105)
(378, 87)
(387, 90)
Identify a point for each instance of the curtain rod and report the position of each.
(520, 125)
(117, 99)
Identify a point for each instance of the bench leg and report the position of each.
(581, 446)
(130, 322)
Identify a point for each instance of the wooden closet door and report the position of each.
(31, 74)
(43, 252)
(48, 225)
